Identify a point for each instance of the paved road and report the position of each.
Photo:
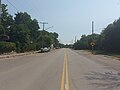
(62, 69)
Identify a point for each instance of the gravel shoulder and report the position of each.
(109, 61)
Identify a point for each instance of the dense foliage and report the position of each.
(108, 40)
(24, 32)
(6, 47)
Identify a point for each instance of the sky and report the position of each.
(70, 18)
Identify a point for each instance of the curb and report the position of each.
(14, 55)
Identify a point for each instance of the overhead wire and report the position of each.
(16, 7)
(13, 5)
(24, 7)
(36, 11)
(32, 6)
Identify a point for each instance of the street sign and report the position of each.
(92, 43)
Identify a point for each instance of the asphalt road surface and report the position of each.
(61, 69)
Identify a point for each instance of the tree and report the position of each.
(46, 39)
(20, 35)
(54, 39)
(111, 35)
(85, 42)
(33, 27)
(22, 18)
(6, 20)
(2, 30)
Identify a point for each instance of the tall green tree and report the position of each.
(111, 35)
(20, 35)
(22, 18)
(6, 20)
(34, 30)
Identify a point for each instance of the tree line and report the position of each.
(21, 33)
(108, 40)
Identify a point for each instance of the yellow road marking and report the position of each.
(67, 78)
(65, 82)
(63, 73)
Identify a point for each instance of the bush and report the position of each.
(6, 47)
(30, 47)
(26, 47)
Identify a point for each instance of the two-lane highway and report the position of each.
(61, 69)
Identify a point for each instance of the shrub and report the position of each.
(6, 47)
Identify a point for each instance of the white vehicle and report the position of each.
(45, 49)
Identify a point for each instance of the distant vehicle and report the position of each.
(45, 49)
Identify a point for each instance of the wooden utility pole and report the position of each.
(43, 23)
(92, 36)
(75, 39)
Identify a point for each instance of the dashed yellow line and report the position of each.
(65, 77)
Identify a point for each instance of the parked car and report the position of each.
(45, 49)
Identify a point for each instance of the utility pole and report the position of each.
(74, 42)
(43, 23)
(92, 44)
(75, 39)
(92, 27)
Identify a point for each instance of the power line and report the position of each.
(12, 5)
(31, 5)
(49, 27)
(34, 7)
(16, 7)
(23, 7)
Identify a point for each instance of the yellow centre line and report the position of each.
(65, 82)
(63, 73)
(67, 78)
